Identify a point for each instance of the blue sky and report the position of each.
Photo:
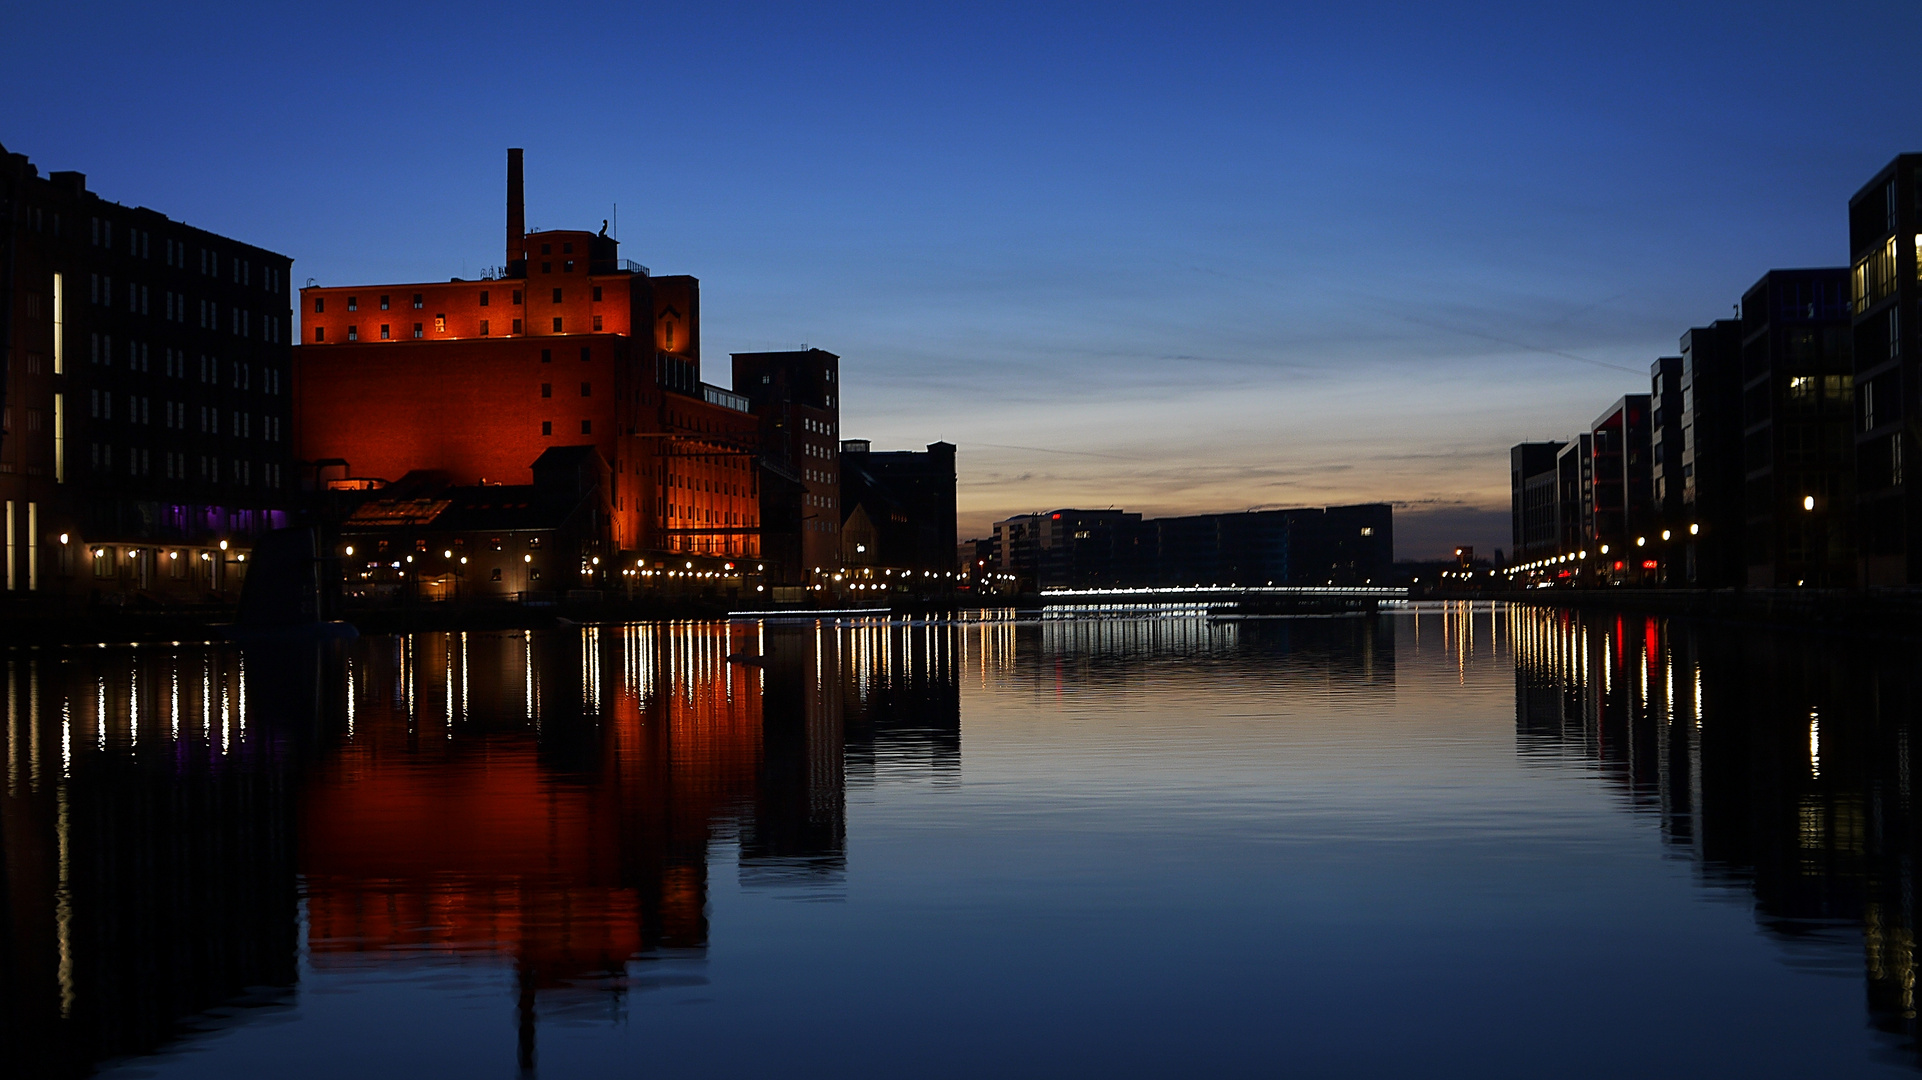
(1168, 258)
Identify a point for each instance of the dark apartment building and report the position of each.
(1622, 482)
(795, 397)
(1711, 532)
(1534, 516)
(898, 507)
(1798, 440)
(145, 431)
(1885, 238)
(1071, 549)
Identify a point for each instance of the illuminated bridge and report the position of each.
(1225, 599)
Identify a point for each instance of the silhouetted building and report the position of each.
(1798, 442)
(1887, 359)
(795, 399)
(897, 507)
(1574, 486)
(1712, 456)
(1622, 482)
(146, 394)
(1665, 437)
(1533, 490)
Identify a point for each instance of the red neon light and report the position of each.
(1649, 564)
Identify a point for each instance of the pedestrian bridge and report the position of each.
(1228, 599)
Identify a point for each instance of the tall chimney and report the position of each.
(516, 210)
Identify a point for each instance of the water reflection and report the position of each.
(183, 824)
(1779, 763)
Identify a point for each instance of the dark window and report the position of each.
(517, 296)
(483, 302)
(483, 327)
(353, 303)
(557, 324)
(587, 389)
(416, 329)
(353, 333)
(384, 335)
(547, 249)
(416, 301)
(547, 356)
(320, 333)
(517, 326)
(597, 322)
(494, 574)
(383, 303)
(547, 268)
(568, 268)
(547, 389)
(567, 249)
(586, 354)
(597, 292)
(557, 296)
(587, 427)
(320, 304)
(547, 427)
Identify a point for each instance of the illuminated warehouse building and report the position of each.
(565, 345)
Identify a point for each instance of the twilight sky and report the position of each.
(1172, 258)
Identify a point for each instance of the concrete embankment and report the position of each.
(1871, 611)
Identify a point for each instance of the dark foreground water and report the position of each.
(1498, 843)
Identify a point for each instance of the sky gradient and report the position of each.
(1174, 260)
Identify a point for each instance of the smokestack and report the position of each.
(516, 210)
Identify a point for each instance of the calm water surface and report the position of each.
(1505, 842)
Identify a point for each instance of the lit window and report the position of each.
(440, 324)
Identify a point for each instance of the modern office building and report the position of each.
(1710, 533)
(898, 507)
(1885, 239)
(1621, 486)
(1574, 493)
(1665, 437)
(145, 434)
(1798, 439)
(1336, 545)
(565, 344)
(1534, 516)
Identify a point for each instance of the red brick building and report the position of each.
(566, 345)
